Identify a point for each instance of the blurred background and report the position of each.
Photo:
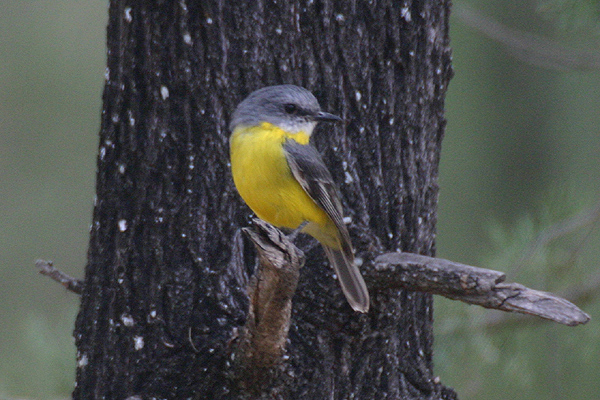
(519, 184)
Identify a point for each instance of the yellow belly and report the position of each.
(265, 182)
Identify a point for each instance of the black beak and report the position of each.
(325, 116)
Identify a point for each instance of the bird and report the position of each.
(283, 178)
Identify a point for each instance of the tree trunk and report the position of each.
(166, 282)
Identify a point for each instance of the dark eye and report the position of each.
(290, 108)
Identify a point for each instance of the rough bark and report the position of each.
(165, 285)
(483, 287)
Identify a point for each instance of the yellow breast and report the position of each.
(264, 180)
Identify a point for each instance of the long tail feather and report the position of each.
(352, 282)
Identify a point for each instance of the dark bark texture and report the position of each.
(165, 289)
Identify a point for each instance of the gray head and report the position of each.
(289, 107)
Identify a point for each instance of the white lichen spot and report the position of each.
(420, 220)
(138, 342)
(345, 165)
(361, 129)
(187, 38)
(82, 361)
(340, 18)
(107, 73)
(102, 152)
(391, 121)
(347, 220)
(127, 320)
(122, 225)
(115, 118)
(153, 314)
(358, 261)
(121, 169)
(184, 235)
(390, 235)
(120, 281)
(279, 31)
(348, 178)
(131, 118)
(405, 13)
(164, 92)
(209, 20)
(411, 53)
(128, 16)
(358, 95)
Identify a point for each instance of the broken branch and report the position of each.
(270, 290)
(471, 285)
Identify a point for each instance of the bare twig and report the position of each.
(533, 49)
(271, 290)
(72, 284)
(472, 285)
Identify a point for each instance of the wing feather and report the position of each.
(308, 168)
(310, 171)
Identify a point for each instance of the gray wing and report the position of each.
(310, 171)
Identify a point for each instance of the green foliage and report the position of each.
(519, 185)
(544, 250)
(492, 355)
